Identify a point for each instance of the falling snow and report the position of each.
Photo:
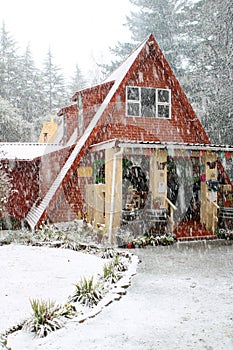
(180, 298)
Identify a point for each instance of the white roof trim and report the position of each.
(157, 144)
(120, 72)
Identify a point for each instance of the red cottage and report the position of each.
(132, 154)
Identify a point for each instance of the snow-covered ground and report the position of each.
(29, 272)
(181, 298)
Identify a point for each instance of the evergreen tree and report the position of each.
(53, 86)
(208, 74)
(30, 97)
(9, 66)
(27, 93)
(12, 126)
(77, 82)
(196, 38)
(153, 16)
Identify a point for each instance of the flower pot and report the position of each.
(129, 245)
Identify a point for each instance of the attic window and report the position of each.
(148, 102)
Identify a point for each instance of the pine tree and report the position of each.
(196, 38)
(12, 126)
(208, 74)
(77, 82)
(27, 98)
(27, 93)
(9, 66)
(153, 16)
(54, 88)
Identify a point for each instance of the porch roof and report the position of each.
(162, 145)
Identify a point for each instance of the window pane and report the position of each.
(163, 111)
(148, 102)
(99, 172)
(133, 109)
(132, 93)
(163, 96)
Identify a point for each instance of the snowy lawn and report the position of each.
(29, 272)
(180, 298)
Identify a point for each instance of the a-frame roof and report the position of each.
(119, 73)
(119, 79)
(186, 126)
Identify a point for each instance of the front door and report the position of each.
(183, 187)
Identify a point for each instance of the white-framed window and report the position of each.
(148, 102)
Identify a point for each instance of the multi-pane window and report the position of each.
(148, 102)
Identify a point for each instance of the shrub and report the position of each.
(3, 343)
(46, 317)
(68, 311)
(46, 232)
(110, 273)
(107, 253)
(69, 243)
(221, 233)
(120, 263)
(87, 292)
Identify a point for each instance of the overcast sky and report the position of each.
(76, 30)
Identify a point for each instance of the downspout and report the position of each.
(112, 204)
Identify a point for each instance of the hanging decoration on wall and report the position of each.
(202, 153)
(211, 165)
(161, 166)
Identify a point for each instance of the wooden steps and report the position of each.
(190, 230)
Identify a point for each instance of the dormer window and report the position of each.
(148, 102)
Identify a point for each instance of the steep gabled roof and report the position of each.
(127, 69)
(119, 73)
(92, 89)
(117, 78)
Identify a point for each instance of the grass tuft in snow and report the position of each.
(3, 343)
(87, 292)
(107, 253)
(47, 317)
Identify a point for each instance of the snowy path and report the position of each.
(181, 298)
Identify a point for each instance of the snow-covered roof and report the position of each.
(26, 151)
(120, 72)
(158, 144)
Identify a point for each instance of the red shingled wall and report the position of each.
(50, 166)
(149, 70)
(24, 176)
(183, 126)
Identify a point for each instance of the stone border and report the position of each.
(118, 290)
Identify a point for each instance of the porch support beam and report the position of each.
(113, 190)
(208, 211)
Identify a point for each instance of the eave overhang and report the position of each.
(114, 143)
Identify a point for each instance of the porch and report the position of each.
(162, 187)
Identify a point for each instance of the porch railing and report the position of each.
(170, 210)
(215, 208)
